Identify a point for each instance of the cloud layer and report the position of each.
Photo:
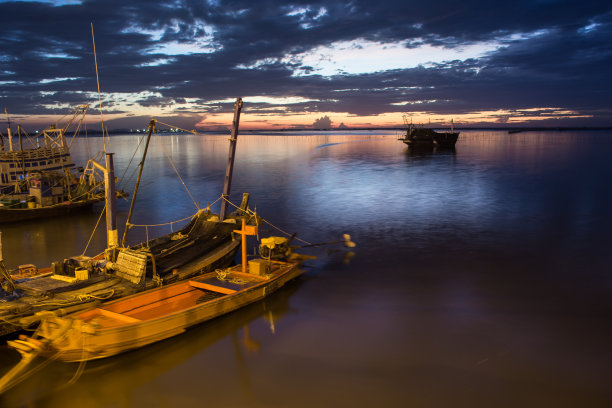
(543, 62)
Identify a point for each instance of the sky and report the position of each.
(304, 64)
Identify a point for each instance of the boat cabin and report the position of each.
(45, 190)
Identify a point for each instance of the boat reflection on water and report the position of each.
(104, 381)
(428, 150)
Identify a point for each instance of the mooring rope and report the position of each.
(81, 368)
(21, 376)
(87, 296)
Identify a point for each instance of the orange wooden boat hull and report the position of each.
(158, 314)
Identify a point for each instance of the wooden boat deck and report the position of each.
(169, 300)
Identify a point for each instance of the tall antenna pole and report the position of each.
(98, 82)
(230, 161)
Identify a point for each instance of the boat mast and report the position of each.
(230, 161)
(110, 195)
(141, 165)
(10, 136)
(23, 171)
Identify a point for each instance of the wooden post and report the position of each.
(230, 161)
(144, 156)
(244, 248)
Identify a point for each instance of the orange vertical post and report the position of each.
(244, 248)
(244, 231)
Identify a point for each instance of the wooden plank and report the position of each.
(139, 299)
(167, 306)
(118, 316)
(248, 276)
(207, 286)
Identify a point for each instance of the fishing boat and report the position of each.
(74, 283)
(54, 193)
(39, 179)
(206, 243)
(427, 137)
(148, 317)
(134, 369)
(31, 154)
(144, 318)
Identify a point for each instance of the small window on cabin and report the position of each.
(12, 165)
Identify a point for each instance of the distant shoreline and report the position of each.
(348, 129)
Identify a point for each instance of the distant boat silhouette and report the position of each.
(420, 136)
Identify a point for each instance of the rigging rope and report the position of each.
(87, 142)
(251, 212)
(177, 173)
(131, 159)
(174, 127)
(165, 223)
(94, 230)
(93, 40)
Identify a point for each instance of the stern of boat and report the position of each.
(57, 337)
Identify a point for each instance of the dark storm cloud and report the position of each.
(555, 54)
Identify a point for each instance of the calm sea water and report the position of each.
(481, 277)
